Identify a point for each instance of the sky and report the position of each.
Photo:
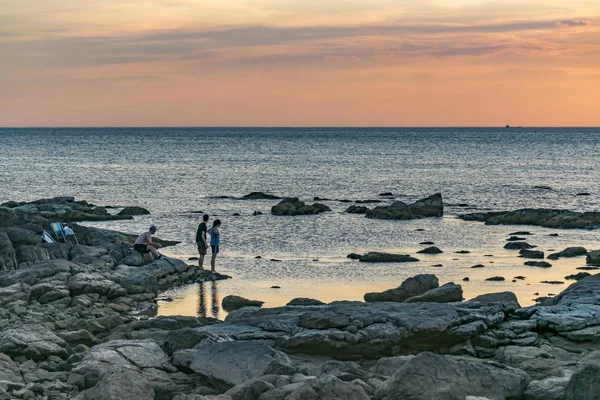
(299, 63)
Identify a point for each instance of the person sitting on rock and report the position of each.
(144, 243)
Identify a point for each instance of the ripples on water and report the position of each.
(175, 171)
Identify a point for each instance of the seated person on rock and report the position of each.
(144, 243)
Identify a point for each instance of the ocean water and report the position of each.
(176, 173)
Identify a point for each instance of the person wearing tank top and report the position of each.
(215, 240)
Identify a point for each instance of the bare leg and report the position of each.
(153, 251)
(201, 261)
(212, 262)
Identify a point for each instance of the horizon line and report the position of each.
(312, 127)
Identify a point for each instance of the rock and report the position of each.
(293, 206)
(8, 258)
(133, 210)
(303, 301)
(378, 257)
(466, 279)
(428, 207)
(520, 233)
(125, 383)
(478, 266)
(430, 250)
(260, 196)
(583, 194)
(354, 256)
(577, 277)
(10, 375)
(447, 293)
(81, 336)
(495, 297)
(520, 277)
(20, 237)
(430, 376)
(540, 264)
(517, 246)
(525, 253)
(568, 252)
(255, 213)
(552, 388)
(588, 268)
(549, 218)
(275, 287)
(233, 302)
(584, 384)
(231, 363)
(357, 210)
(411, 287)
(514, 239)
(553, 282)
(32, 341)
(250, 389)
(427, 243)
(593, 257)
(495, 279)
(462, 252)
(386, 194)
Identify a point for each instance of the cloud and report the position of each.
(571, 23)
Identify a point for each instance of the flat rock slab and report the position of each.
(32, 341)
(351, 330)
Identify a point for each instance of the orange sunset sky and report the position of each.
(299, 63)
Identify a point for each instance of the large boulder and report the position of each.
(431, 206)
(584, 384)
(569, 252)
(448, 293)
(526, 253)
(293, 206)
(8, 257)
(411, 287)
(378, 257)
(20, 236)
(233, 302)
(549, 218)
(121, 384)
(431, 376)
(496, 297)
(231, 363)
(9, 372)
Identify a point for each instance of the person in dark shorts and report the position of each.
(201, 240)
(144, 244)
(215, 239)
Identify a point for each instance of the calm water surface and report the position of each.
(174, 172)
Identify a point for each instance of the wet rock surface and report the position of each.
(431, 206)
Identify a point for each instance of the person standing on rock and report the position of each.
(215, 239)
(144, 244)
(201, 240)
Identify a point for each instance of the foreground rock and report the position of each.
(293, 206)
(432, 206)
(411, 287)
(232, 302)
(431, 376)
(549, 218)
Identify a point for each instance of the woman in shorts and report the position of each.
(215, 239)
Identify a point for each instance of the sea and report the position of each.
(180, 173)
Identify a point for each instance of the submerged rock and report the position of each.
(593, 257)
(579, 276)
(536, 254)
(133, 211)
(377, 257)
(293, 206)
(569, 252)
(357, 210)
(549, 218)
(540, 264)
(428, 207)
(517, 246)
(260, 196)
(430, 250)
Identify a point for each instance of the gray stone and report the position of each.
(32, 341)
(526, 253)
(495, 297)
(293, 206)
(411, 287)
(569, 252)
(517, 246)
(378, 257)
(124, 384)
(552, 388)
(593, 257)
(133, 210)
(233, 302)
(448, 293)
(303, 301)
(539, 264)
(430, 376)
(432, 206)
(430, 250)
(584, 384)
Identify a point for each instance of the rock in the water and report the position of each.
(233, 302)
(303, 301)
(430, 376)
(133, 210)
(260, 196)
(593, 257)
(584, 384)
(478, 266)
(568, 252)
(293, 206)
(231, 363)
(549, 218)
(579, 276)
(540, 264)
(357, 210)
(514, 239)
(553, 282)
(377, 257)
(525, 253)
(495, 297)
(517, 246)
(430, 250)
(448, 293)
(432, 206)
(411, 287)
(496, 279)
(354, 256)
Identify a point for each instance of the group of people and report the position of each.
(144, 243)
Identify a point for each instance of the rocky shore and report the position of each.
(73, 325)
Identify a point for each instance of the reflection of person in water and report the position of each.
(202, 302)
(215, 300)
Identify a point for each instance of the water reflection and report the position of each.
(203, 288)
